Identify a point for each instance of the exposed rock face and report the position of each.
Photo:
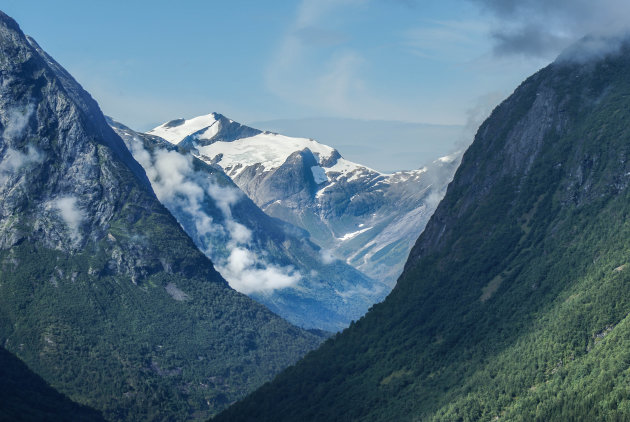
(292, 182)
(87, 255)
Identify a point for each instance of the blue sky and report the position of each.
(438, 62)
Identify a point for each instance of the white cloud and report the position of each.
(70, 213)
(326, 256)
(16, 121)
(243, 272)
(14, 160)
(182, 189)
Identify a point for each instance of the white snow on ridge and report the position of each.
(271, 150)
(176, 134)
(268, 149)
(406, 175)
(320, 192)
(210, 132)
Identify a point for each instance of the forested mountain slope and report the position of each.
(514, 302)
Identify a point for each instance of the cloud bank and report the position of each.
(543, 28)
(228, 243)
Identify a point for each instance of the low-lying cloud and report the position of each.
(14, 161)
(326, 256)
(183, 190)
(71, 214)
(248, 276)
(16, 121)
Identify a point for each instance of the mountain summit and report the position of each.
(207, 129)
(514, 303)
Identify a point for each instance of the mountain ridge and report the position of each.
(346, 207)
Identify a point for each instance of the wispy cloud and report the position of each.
(71, 214)
(327, 256)
(314, 65)
(14, 160)
(16, 121)
(450, 41)
(185, 192)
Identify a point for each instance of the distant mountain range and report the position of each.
(269, 259)
(355, 214)
(383, 145)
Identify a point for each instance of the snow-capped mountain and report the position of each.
(355, 214)
(266, 258)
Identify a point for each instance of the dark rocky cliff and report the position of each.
(102, 293)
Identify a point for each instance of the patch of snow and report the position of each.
(319, 174)
(175, 134)
(405, 176)
(352, 235)
(210, 132)
(320, 192)
(270, 150)
(346, 167)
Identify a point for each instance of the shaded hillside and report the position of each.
(102, 293)
(514, 302)
(25, 396)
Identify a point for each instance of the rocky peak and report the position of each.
(55, 142)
